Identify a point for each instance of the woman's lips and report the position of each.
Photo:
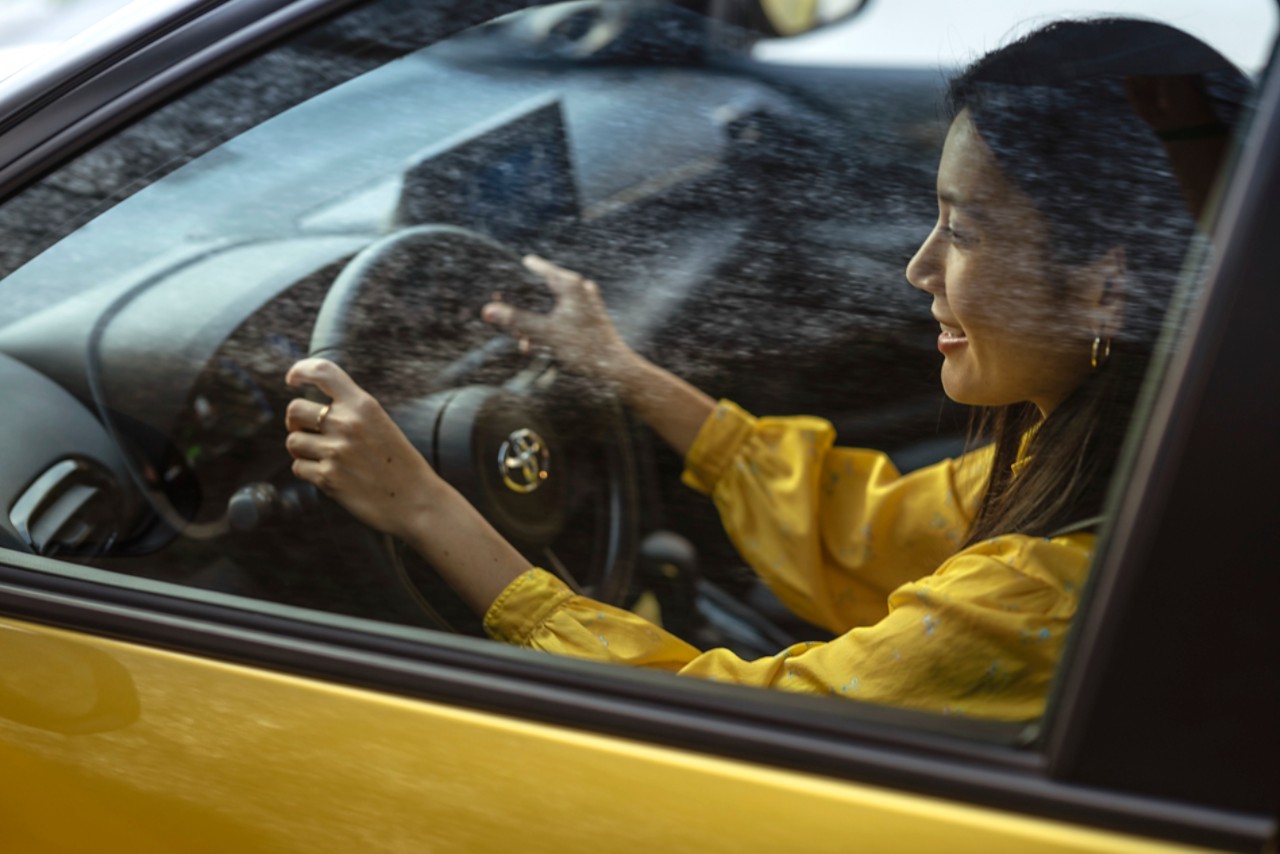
(950, 340)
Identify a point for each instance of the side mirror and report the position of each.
(785, 18)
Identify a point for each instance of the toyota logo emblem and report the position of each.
(523, 461)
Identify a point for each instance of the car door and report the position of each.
(199, 654)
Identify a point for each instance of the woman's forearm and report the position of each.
(468, 552)
(674, 408)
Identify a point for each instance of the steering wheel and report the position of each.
(545, 457)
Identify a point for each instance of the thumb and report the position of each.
(324, 375)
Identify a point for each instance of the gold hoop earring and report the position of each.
(1101, 352)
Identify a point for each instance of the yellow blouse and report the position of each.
(849, 544)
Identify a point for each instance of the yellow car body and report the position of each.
(196, 755)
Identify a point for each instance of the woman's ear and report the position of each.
(1102, 291)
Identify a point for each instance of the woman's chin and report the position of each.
(963, 389)
(954, 385)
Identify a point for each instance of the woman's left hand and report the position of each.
(353, 452)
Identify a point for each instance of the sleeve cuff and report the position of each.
(717, 445)
(524, 605)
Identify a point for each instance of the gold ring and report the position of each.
(324, 413)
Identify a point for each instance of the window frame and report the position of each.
(1201, 439)
(1098, 713)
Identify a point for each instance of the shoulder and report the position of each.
(1052, 560)
(1036, 573)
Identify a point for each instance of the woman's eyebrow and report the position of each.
(974, 209)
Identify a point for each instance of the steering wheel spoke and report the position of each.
(469, 363)
(557, 566)
(537, 376)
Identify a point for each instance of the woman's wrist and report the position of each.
(425, 511)
(626, 373)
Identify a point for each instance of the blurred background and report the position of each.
(928, 33)
(945, 33)
(30, 29)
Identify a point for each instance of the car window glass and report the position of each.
(748, 214)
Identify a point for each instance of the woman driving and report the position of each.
(1067, 193)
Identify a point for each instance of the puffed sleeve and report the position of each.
(981, 636)
(832, 531)
(539, 611)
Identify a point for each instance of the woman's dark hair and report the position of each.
(1057, 110)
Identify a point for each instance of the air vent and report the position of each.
(69, 510)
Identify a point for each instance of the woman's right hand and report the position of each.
(583, 339)
(577, 330)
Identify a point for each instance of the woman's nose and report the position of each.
(924, 270)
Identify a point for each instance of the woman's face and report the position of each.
(1012, 326)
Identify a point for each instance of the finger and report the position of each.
(558, 279)
(523, 324)
(304, 414)
(307, 446)
(324, 375)
(312, 472)
(591, 292)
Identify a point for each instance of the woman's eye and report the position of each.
(955, 235)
